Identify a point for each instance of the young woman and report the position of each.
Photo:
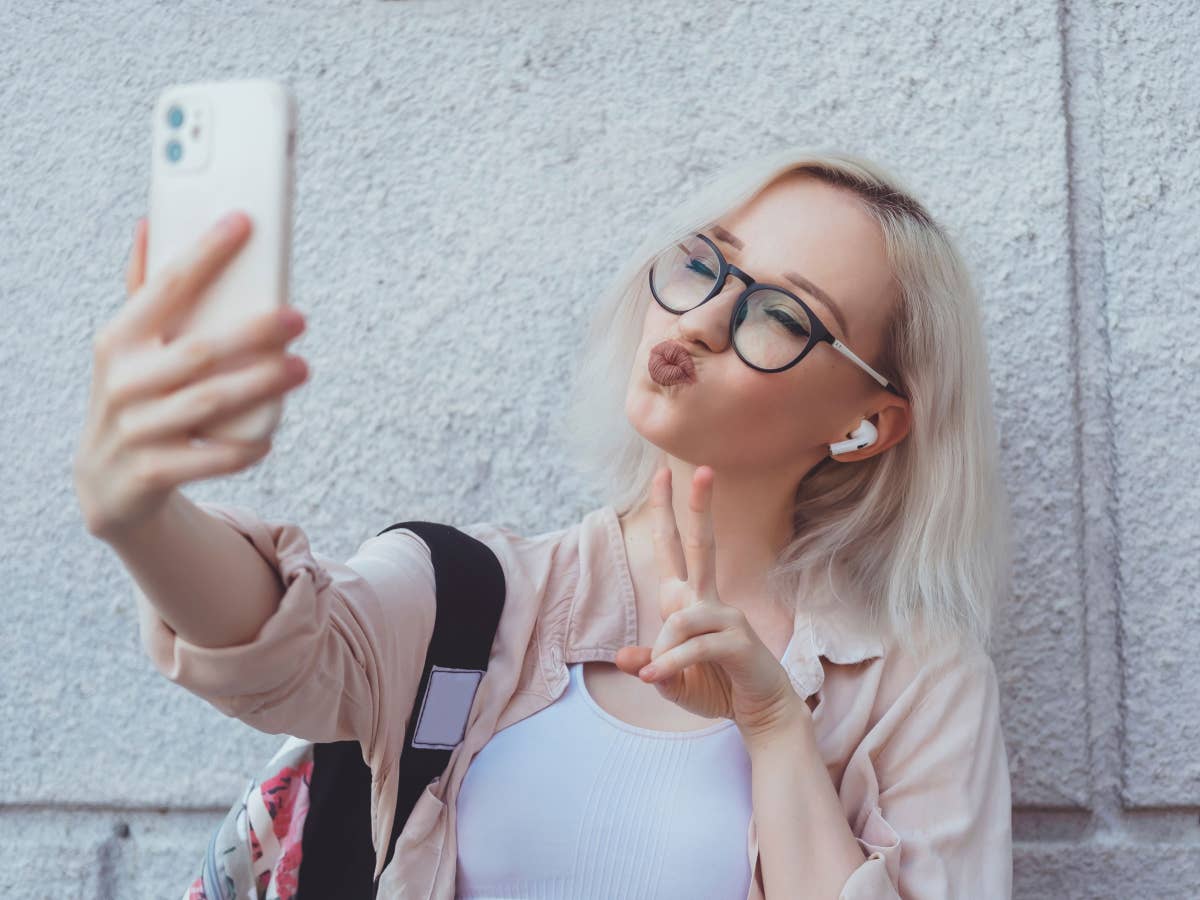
(760, 669)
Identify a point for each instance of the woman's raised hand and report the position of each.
(707, 658)
(149, 399)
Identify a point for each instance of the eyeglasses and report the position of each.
(771, 329)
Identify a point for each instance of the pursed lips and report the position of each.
(670, 363)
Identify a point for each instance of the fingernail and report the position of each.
(290, 318)
(232, 223)
(648, 672)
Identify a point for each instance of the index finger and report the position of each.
(667, 552)
(181, 281)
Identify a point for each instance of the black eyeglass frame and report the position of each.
(818, 333)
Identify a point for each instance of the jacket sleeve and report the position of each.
(936, 821)
(342, 656)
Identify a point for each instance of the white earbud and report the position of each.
(862, 436)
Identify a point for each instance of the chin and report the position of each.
(653, 417)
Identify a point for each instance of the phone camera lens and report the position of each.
(174, 150)
(175, 116)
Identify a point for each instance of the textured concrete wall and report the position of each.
(467, 171)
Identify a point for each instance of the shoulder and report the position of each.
(530, 562)
(500, 538)
(910, 673)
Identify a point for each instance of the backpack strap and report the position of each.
(338, 857)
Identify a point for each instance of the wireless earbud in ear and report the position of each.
(862, 436)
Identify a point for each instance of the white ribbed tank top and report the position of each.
(572, 802)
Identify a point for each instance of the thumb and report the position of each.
(630, 660)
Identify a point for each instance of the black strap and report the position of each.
(337, 855)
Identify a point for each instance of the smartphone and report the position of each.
(219, 146)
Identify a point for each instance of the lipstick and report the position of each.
(670, 363)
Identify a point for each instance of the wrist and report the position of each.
(790, 728)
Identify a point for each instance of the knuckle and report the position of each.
(681, 616)
(206, 400)
(200, 352)
(148, 472)
(122, 428)
(117, 392)
(173, 279)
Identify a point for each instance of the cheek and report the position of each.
(810, 383)
(799, 406)
(656, 322)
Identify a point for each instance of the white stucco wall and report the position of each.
(457, 156)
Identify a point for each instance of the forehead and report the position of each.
(802, 224)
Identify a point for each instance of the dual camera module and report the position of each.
(175, 120)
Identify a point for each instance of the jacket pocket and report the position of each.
(418, 852)
(422, 829)
(419, 845)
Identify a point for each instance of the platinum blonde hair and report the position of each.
(918, 532)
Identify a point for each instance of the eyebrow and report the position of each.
(794, 277)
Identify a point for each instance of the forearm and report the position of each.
(806, 847)
(206, 580)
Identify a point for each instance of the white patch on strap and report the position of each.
(442, 719)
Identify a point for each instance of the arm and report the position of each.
(341, 656)
(806, 847)
(933, 801)
(202, 577)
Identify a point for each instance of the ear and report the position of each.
(892, 420)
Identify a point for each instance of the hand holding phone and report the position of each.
(150, 398)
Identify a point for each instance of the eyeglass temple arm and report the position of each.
(853, 357)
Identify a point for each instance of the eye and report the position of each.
(697, 265)
(787, 321)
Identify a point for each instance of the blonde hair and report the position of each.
(919, 532)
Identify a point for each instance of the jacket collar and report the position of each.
(835, 630)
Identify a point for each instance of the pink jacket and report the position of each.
(914, 747)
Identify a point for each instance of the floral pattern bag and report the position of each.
(254, 854)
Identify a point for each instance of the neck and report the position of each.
(752, 523)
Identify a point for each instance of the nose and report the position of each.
(708, 323)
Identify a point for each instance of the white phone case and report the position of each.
(219, 146)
